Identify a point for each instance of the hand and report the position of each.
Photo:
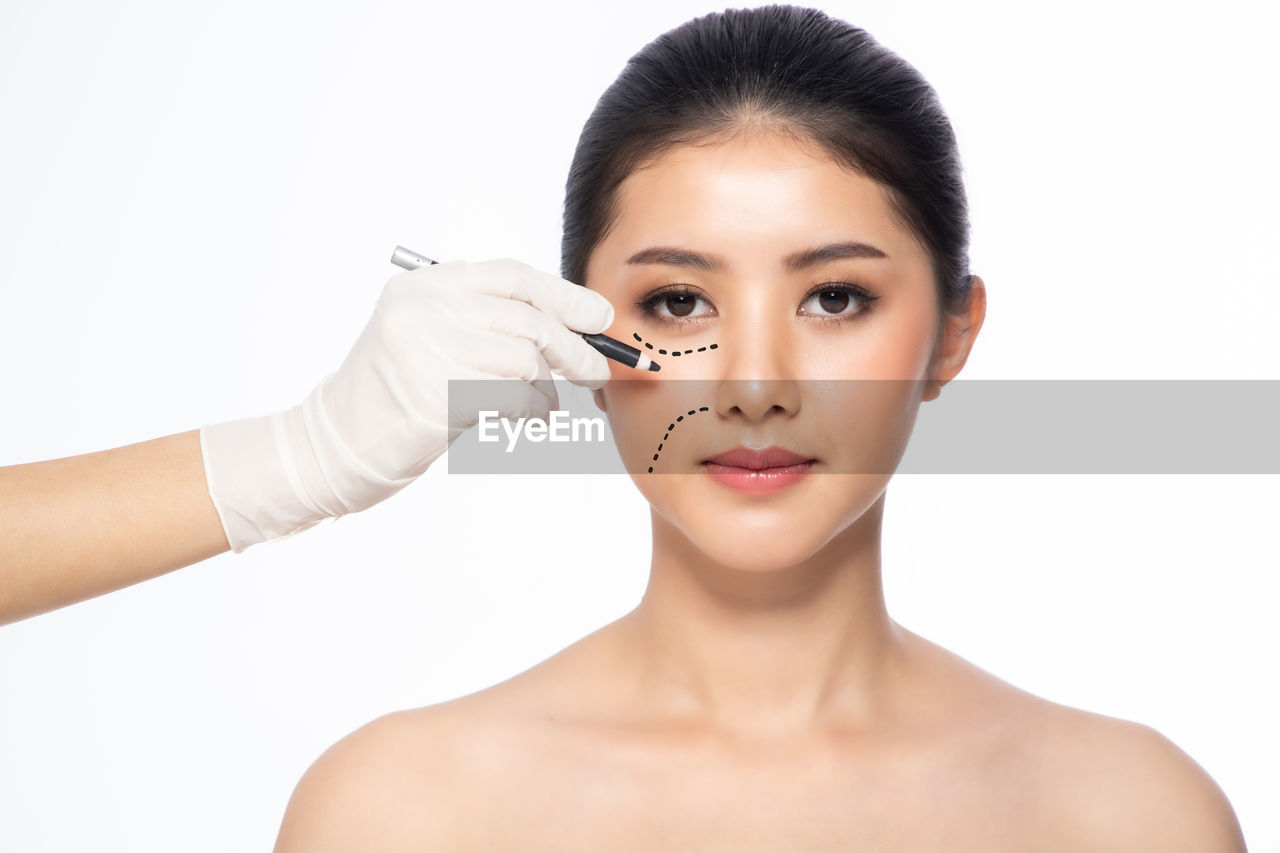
(372, 427)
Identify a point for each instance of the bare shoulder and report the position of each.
(1092, 782)
(1130, 787)
(420, 779)
(387, 786)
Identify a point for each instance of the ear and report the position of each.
(958, 334)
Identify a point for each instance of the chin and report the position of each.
(773, 534)
(756, 561)
(754, 542)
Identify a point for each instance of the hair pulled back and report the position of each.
(784, 69)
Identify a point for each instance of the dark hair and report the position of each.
(787, 69)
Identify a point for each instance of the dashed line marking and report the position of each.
(674, 351)
(671, 427)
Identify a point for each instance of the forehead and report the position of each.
(755, 197)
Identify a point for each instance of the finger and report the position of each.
(564, 349)
(545, 384)
(509, 398)
(577, 307)
(508, 357)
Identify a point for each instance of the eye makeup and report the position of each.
(843, 292)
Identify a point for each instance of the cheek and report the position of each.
(651, 419)
(863, 424)
(898, 351)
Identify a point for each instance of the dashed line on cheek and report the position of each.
(674, 351)
(671, 428)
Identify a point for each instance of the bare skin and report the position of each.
(760, 697)
(567, 757)
(87, 525)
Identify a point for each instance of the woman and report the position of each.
(775, 183)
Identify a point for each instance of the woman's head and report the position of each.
(754, 198)
(793, 71)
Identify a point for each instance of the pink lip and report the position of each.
(757, 472)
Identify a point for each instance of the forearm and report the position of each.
(82, 526)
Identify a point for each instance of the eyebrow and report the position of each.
(677, 257)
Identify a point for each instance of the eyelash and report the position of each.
(650, 302)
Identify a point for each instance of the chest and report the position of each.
(809, 803)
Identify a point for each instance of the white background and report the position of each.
(197, 206)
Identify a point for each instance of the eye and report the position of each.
(833, 301)
(833, 298)
(679, 300)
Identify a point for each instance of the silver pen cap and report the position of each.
(409, 259)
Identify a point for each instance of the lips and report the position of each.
(757, 460)
(758, 473)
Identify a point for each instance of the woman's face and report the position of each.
(771, 348)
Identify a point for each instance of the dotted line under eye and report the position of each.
(671, 427)
(674, 351)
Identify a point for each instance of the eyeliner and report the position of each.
(610, 347)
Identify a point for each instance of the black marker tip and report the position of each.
(653, 365)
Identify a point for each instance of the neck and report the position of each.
(766, 652)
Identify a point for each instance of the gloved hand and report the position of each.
(378, 422)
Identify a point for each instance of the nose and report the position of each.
(758, 376)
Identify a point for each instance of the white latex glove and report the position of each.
(372, 427)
